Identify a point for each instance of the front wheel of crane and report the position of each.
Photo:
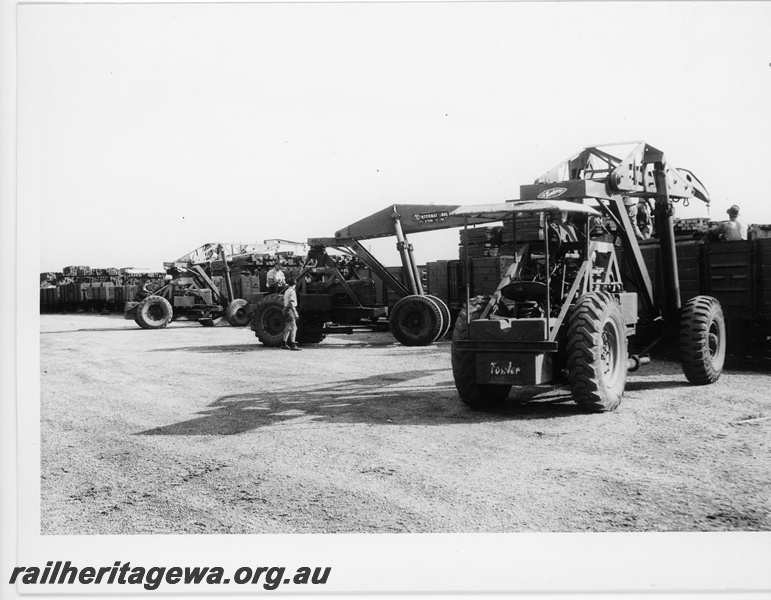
(416, 321)
(464, 364)
(268, 320)
(597, 352)
(236, 313)
(702, 340)
(154, 312)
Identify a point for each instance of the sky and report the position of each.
(147, 130)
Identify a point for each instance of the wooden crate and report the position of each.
(437, 279)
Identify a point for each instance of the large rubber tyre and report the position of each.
(310, 334)
(236, 313)
(416, 321)
(154, 312)
(268, 320)
(464, 364)
(445, 316)
(597, 352)
(702, 340)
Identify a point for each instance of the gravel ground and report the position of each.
(204, 430)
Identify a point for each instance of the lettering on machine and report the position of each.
(509, 369)
(431, 217)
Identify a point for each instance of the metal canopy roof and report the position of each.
(504, 210)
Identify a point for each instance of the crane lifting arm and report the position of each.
(643, 172)
(633, 175)
(397, 220)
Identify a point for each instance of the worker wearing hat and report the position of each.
(730, 230)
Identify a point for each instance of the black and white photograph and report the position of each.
(387, 297)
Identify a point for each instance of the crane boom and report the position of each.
(412, 218)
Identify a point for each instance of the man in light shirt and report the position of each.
(290, 316)
(275, 279)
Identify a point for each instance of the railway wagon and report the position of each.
(737, 273)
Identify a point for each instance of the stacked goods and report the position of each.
(456, 284)
(49, 299)
(262, 279)
(757, 232)
(246, 287)
(529, 229)
(125, 293)
(84, 288)
(689, 274)
(103, 291)
(691, 227)
(50, 279)
(481, 242)
(486, 274)
(72, 293)
(49, 295)
(478, 241)
(104, 275)
(447, 279)
(77, 271)
(383, 292)
(221, 284)
(255, 262)
(437, 280)
(156, 279)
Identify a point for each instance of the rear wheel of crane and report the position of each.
(597, 352)
(702, 340)
(464, 364)
(268, 320)
(310, 334)
(236, 313)
(416, 321)
(154, 312)
(445, 315)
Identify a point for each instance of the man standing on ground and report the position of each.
(290, 316)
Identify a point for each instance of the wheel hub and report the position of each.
(415, 322)
(155, 312)
(713, 340)
(273, 322)
(609, 354)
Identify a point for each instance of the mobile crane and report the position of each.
(331, 303)
(567, 306)
(190, 294)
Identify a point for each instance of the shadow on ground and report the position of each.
(257, 345)
(252, 347)
(644, 386)
(99, 329)
(388, 399)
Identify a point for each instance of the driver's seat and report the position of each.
(519, 291)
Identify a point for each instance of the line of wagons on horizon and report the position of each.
(737, 273)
